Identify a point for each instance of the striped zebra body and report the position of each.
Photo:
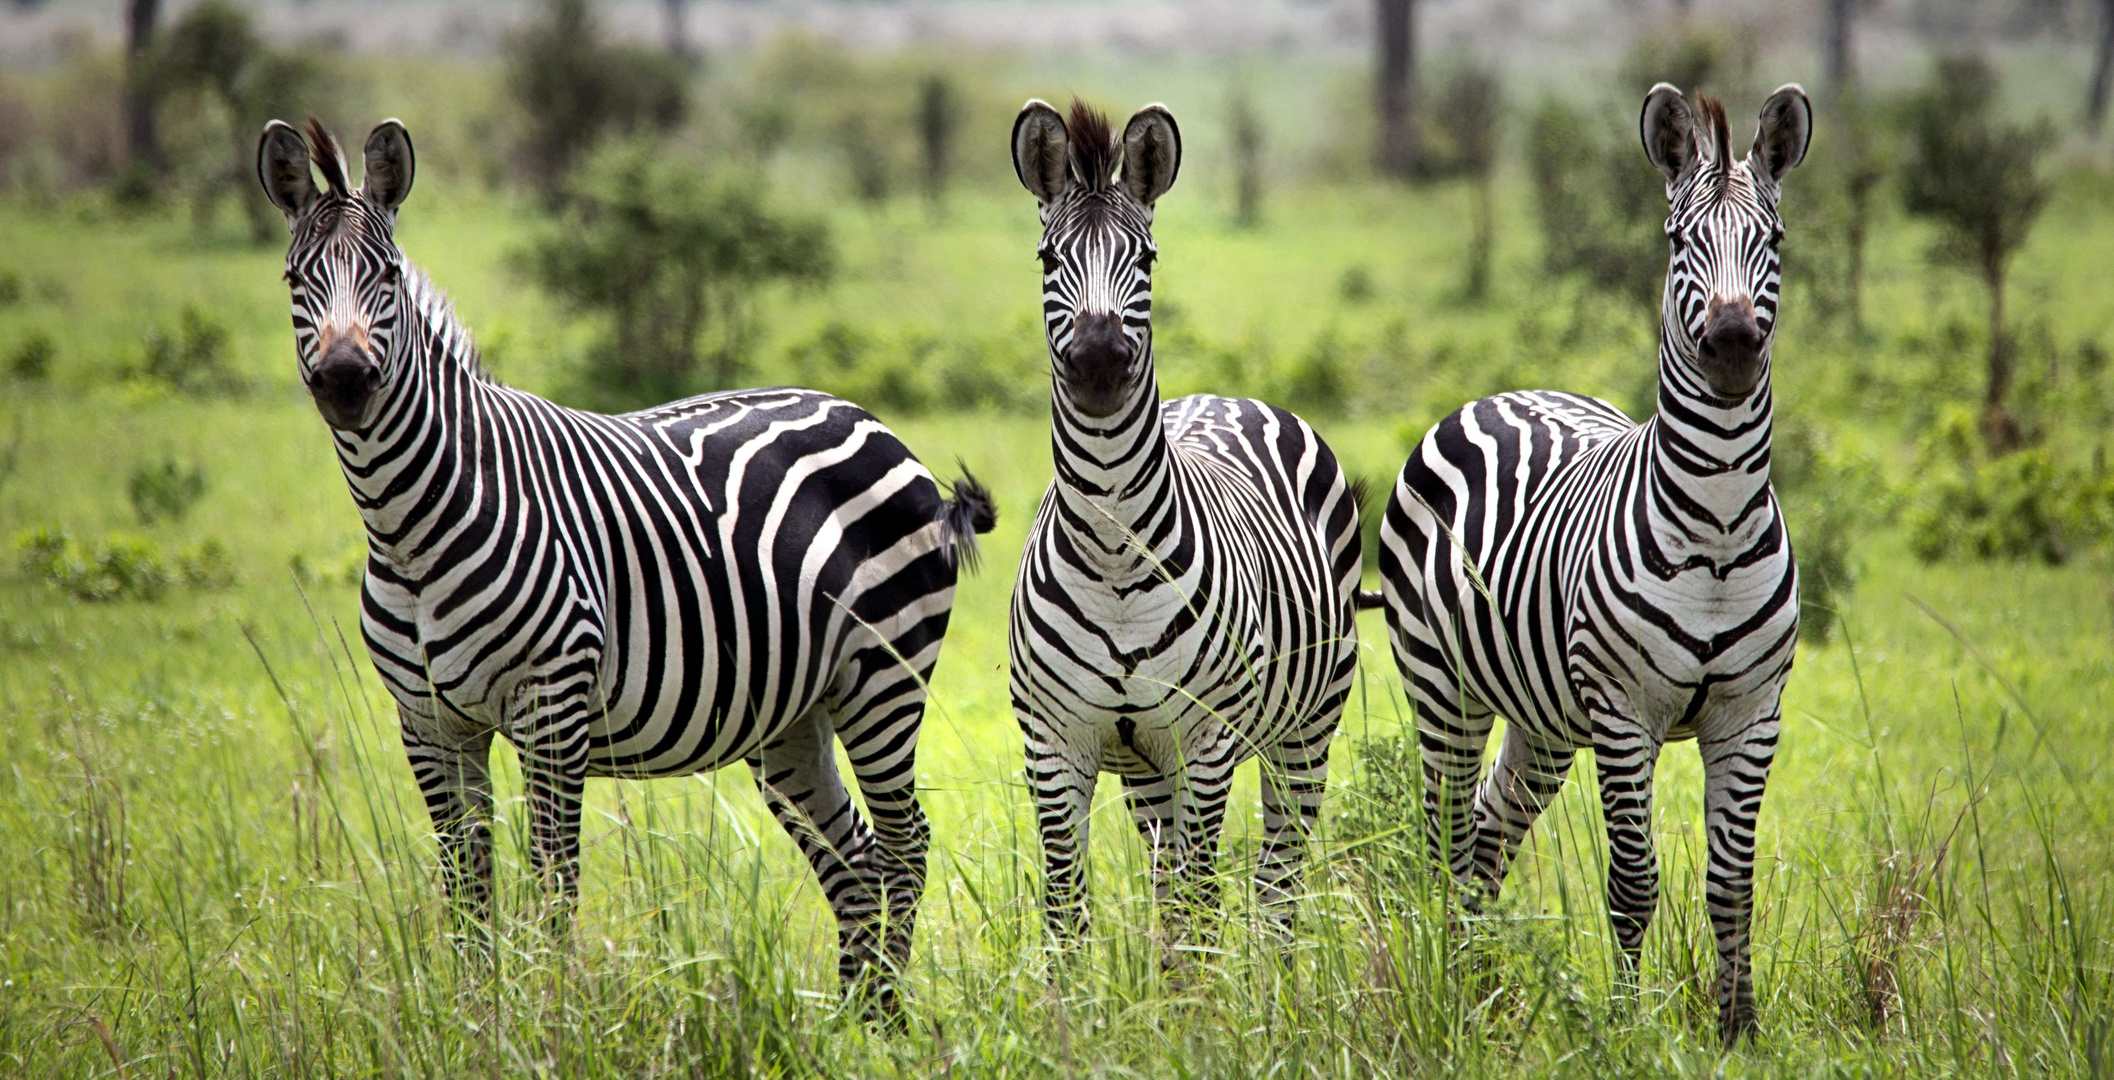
(1615, 586)
(1185, 598)
(744, 576)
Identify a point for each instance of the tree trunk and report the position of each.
(1395, 88)
(2000, 432)
(1841, 63)
(2102, 69)
(674, 30)
(142, 142)
(1485, 239)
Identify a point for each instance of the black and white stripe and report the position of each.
(1615, 586)
(745, 576)
(1185, 599)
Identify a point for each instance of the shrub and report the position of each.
(664, 252)
(165, 491)
(1599, 202)
(10, 288)
(574, 88)
(206, 566)
(1829, 499)
(194, 359)
(32, 359)
(1382, 812)
(118, 568)
(2024, 505)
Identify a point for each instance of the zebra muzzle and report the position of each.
(1731, 348)
(1097, 364)
(344, 383)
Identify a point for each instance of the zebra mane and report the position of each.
(1713, 112)
(323, 149)
(1093, 144)
(442, 330)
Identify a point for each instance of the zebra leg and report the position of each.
(1200, 816)
(453, 775)
(1735, 771)
(797, 774)
(878, 722)
(1451, 733)
(1295, 775)
(1525, 777)
(554, 770)
(1151, 800)
(1064, 801)
(1627, 757)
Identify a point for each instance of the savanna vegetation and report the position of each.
(215, 861)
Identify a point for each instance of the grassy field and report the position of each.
(216, 864)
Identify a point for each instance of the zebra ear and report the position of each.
(283, 169)
(1041, 151)
(1152, 153)
(1786, 129)
(389, 165)
(1668, 128)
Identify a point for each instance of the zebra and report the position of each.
(743, 576)
(1614, 585)
(1185, 598)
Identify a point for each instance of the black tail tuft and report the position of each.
(1361, 494)
(968, 512)
(1368, 600)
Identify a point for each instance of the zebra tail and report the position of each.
(968, 512)
(1361, 496)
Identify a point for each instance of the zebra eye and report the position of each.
(1146, 259)
(390, 273)
(1776, 236)
(1049, 261)
(288, 277)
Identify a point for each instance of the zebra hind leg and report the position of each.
(878, 718)
(1295, 776)
(454, 778)
(797, 774)
(1451, 734)
(1523, 780)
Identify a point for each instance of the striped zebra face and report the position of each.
(1097, 251)
(1723, 274)
(344, 267)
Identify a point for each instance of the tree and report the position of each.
(1467, 114)
(1978, 179)
(1600, 203)
(2102, 70)
(1395, 89)
(143, 152)
(667, 254)
(1246, 131)
(939, 114)
(573, 88)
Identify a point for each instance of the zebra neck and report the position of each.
(1709, 488)
(432, 444)
(1112, 480)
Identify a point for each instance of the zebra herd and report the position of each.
(765, 575)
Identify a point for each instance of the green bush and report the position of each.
(193, 359)
(2024, 505)
(165, 491)
(1381, 813)
(206, 566)
(32, 359)
(1830, 499)
(117, 568)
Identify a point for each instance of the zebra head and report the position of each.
(343, 266)
(1097, 250)
(1719, 314)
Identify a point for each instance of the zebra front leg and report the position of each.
(454, 778)
(1523, 780)
(1200, 817)
(1064, 802)
(1626, 757)
(1735, 772)
(1295, 776)
(554, 770)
